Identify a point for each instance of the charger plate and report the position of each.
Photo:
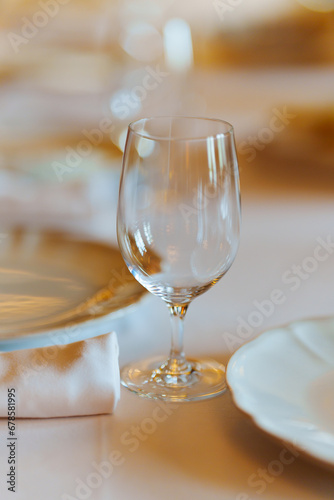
(284, 380)
(50, 281)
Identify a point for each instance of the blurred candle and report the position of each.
(178, 47)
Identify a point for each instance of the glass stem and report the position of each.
(177, 364)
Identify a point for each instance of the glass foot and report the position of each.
(203, 378)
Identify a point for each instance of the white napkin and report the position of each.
(62, 380)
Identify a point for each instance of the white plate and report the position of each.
(284, 380)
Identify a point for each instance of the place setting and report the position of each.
(166, 246)
(178, 225)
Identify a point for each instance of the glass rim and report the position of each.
(229, 131)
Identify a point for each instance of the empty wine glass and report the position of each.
(178, 228)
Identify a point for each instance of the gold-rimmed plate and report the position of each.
(50, 281)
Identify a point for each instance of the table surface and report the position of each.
(203, 449)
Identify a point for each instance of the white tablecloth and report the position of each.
(204, 450)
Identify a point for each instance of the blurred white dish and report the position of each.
(284, 380)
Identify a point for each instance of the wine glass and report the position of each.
(178, 225)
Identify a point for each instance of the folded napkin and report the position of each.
(61, 380)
